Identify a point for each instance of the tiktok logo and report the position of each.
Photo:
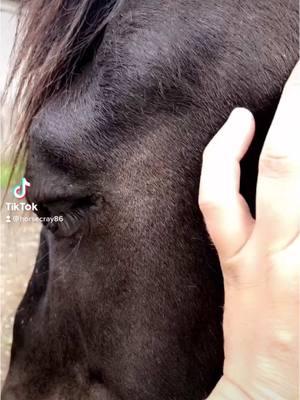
(20, 191)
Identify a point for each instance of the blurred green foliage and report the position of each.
(5, 173)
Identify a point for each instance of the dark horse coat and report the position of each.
(125, 300)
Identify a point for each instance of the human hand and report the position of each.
(260, 258)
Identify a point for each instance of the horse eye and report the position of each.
(64, 217)
(67, 224)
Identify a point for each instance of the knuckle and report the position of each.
(276, 165)
(209, 206)
(282, 342)
(232, 276)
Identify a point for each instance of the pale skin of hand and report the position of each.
(260, 258)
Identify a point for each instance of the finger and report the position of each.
(226, 213)
(278, 188)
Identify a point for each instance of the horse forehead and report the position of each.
(125, 66)
(131, 72)
(65, 116)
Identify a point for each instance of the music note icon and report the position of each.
(20, 191)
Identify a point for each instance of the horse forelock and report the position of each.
(54, 37)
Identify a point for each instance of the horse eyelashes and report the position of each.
(64, 218)
(71, 222)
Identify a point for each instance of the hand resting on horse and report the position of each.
(260, 258)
